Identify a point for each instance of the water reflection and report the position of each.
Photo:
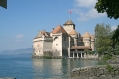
(49, 68)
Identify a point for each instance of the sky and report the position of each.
(23, 19)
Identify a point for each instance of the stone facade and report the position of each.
(62, 42)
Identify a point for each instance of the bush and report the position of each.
(107, 57)
(47, 57)
(110, 68)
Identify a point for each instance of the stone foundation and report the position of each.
(47, 57)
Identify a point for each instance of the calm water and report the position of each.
(20, 66)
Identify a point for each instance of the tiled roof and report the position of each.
(69, 22)
(73, 32)
(59, 29)
(92, 37)
(80, 47)
(86, 35)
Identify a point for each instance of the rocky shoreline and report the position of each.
(96, 72)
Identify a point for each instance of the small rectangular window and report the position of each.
(64, 38)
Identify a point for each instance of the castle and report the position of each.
(62, 42)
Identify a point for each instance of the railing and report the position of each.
(77, 52)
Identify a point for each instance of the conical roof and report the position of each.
(92, 37)
(73, 32)
(87, 35)
(59, 29)
(69, 22)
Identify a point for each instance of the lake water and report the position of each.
(22, 66)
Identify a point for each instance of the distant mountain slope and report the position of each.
(17, 52)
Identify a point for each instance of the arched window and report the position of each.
(55, 38)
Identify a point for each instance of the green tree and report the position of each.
(116, 49)
(111, 7)
(103, 39)
(115, 38)
(115, 35)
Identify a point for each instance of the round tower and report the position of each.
(69, 26)
(92, 43)
(74, 35)
(87, 39)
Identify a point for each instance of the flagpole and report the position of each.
(70, 14)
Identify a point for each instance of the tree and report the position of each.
(103, 39)
(115, 38)
(111, 7)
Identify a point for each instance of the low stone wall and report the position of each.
(46, 57)
(90, 56)
(96, 72)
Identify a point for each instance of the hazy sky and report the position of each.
(20, 22)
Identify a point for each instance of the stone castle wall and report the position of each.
(90, 56)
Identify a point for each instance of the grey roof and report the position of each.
(69, 22)
(43, 33)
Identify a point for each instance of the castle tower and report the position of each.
(74, 35)
(92, 43)
(60, 42)
(87, 39)
(69, 26)
(40, 43)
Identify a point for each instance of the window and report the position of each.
(55, 38)
(64, 38)
(56, 44)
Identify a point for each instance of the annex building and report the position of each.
(62, 42)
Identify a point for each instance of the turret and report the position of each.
(92, 43)
(74, 35)
(69, 26)
(39, 43)
(87, 39)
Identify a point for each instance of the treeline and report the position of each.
(106, 40)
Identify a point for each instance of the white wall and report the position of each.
(57, 44)
(92, 44)
(68, 28)
(87, 41)
(38, 48)
(47, 45)
(41, 44)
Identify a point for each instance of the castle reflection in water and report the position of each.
(49, 68)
